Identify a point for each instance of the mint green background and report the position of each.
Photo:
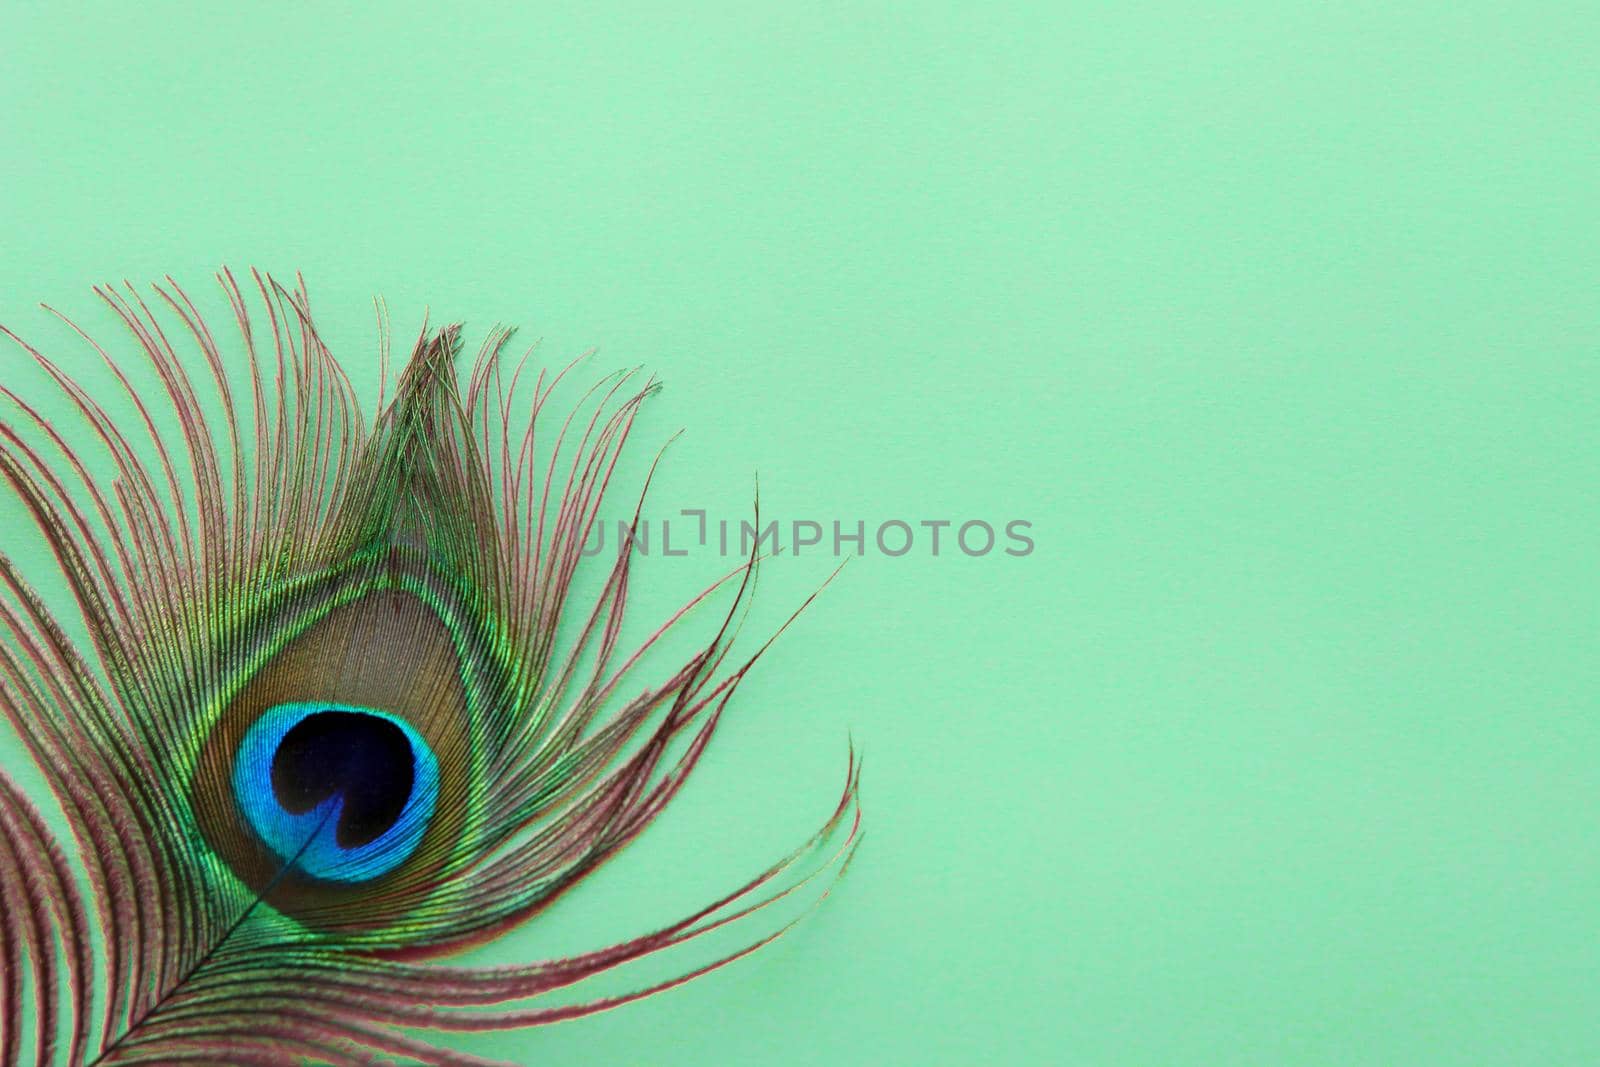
(1279, 322)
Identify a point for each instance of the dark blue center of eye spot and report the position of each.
(362, 758)
(339, 792)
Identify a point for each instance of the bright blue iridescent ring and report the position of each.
(341, 793)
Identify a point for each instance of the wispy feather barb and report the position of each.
(339, 714)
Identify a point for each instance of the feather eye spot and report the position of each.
(337, 792)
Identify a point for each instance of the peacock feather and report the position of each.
(339, 711)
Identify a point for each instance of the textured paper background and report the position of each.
(1278, 322)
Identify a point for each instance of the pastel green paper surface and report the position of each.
(1278, 323)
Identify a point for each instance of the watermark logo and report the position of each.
(694, 531)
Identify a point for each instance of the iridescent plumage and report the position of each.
(339, 713)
